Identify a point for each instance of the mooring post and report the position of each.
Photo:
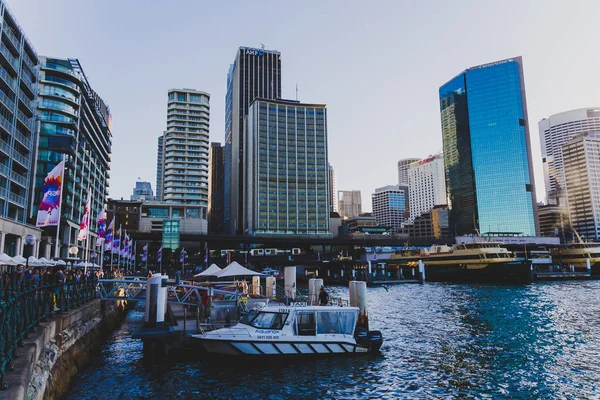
(421, 272)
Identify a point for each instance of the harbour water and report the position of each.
(441, 341)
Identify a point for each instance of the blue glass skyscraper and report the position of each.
(487, 150)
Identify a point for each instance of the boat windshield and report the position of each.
(247, 318)
(269, 320)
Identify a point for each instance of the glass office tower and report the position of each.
(487, 150)
(287, 185)
(255, 73)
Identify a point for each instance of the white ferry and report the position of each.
(293, 331)
(478, 261)
(577, 254)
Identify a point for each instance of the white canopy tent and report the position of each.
(34, 262)
(5, 259)
(20, 259)
(60, 262)
(235, 269)
(46, 262)
(213, 270)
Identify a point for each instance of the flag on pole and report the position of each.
(159, 255)
(109, 236)
(125, 248)
(49, 210)
(134, 254)
(117, 242)
(84, 227)
(206, 252)
(374, 254)
(145, 254)
(101, 228)
(182, 255)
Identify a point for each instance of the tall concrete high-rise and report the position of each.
(185, 148)
(215, 189)
(160, 168)
(332, 189)
(287, 185)
(403, 166)
(426, 185)
(349, 203)
(18, 89)
(556, 131)
(390, 206)
(254, 73)
(75, 123)
(581, 158)
(487, 150)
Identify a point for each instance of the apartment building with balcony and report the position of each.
(74, 124)
(18, 80)
(185, 148)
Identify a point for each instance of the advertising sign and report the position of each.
(170, 237)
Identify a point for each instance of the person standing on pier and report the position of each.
(323, 297)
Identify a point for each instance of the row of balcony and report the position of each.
(8, 79)
(28, 122)
(13, 197)
(12, 38)
(9, 57)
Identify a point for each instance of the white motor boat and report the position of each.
(292, 331)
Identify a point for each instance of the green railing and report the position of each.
(24, 303)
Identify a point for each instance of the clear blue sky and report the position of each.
(377, 65)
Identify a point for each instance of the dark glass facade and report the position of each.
(487, 152)
(215, 189)
(255, 73)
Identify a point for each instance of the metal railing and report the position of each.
(9, 57)
(11, 37)
(15, 198)
(20, 158)
(28, 122)
(7, 102)
(8, 79)
(20, 179)
(24, 303)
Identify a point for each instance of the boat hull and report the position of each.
(256, 348)
(511, 272)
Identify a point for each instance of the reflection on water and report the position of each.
(441, 340)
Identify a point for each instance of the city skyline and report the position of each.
(351, 54)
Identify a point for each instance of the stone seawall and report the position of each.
(59, 349)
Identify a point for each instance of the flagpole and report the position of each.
(147, 248)
(112, 241)
(160, 270)
(56, 245)
(87, 236)
(119, 252)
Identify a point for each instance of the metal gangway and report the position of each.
(184, 293)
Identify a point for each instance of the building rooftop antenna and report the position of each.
(262, 46)
(296, 92)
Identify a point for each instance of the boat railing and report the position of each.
(224, 330)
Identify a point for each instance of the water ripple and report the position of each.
(441, 341)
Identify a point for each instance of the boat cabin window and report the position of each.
(269, 320)
(336, 322)
(306, 324)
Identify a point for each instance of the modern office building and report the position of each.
(142, 192)
(581, 161)
(556, 131)
(254, 73)
(390, 206)
(426, 185)
(287, 186)
(160, 168)
(75, 124)
(215, 189)
(18, 88)
(403, 166)
(487, 150)
(349, 203)
(332, 189)
(185, 148)
(555, 222)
